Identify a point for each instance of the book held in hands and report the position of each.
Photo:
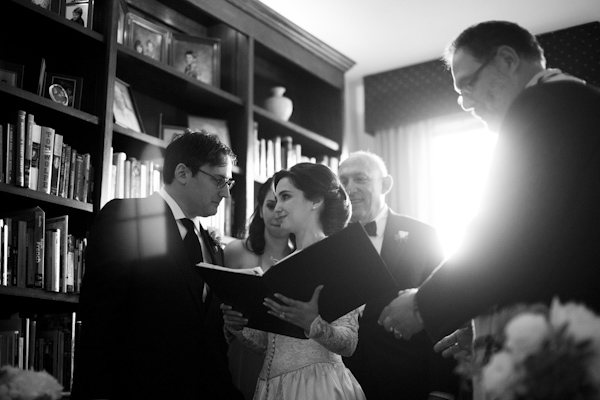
(346, 263)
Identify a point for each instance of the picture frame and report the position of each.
(12, 73)
(122, 7)
(125, 111)
(146, 37)
(78, 11)
(169, 132)
(50, 5)
(73, 86)
(211, 125)
(197, 57)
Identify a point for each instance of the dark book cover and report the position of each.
(346, 263)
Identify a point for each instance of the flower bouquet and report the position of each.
(18, 384)
(543, 353)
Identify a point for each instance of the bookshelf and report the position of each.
(258, 50)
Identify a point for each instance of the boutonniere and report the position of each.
(216, 236)
(401, 237)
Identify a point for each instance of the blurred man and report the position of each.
(385, 367)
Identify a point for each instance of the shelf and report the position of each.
(269, 125)
(141, 137)
(34, 99)
(48, 198)
(169, 84)
(39, 294)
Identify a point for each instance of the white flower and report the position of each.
(581, 322)
(25, 385)
(215, 234)
(525, 333)
(401, 236)
(500, 375)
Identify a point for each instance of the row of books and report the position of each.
(272, 155)
(133, 178)
(40, 343)
(40, 252)
(37, 157)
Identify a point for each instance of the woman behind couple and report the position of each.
(311, 204)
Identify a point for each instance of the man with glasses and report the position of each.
(151, 329)
(537, 234)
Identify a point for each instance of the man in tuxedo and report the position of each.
(151, 329)
(537, 234)
(385, 367)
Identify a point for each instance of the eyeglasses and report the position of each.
(221, 182)
(469, 87)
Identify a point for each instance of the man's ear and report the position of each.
(181, 173)
(386, 184)
(509, 58)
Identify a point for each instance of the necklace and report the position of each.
(273, 259)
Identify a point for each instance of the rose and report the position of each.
(21, 384)
(500, 376)
(215, 235)
(525, 334)
(580, 322)
(401, 236)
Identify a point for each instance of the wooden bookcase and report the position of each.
(259, 50)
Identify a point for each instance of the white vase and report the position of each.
(278, 104)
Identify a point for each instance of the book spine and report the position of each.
(28, 149)
(21, 253)
(52, 260)
(63, 180)
(4, 259)
(47, 145)
(72, 174)
(85, 188)
(2, 153)
(56, 156)
(20, 149)
(10, 154)
(78, 189)
(36, 133)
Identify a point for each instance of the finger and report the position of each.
(316, 294)
(225, 306)
(388, 324)
(383, 316)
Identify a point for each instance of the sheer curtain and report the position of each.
(439, 168)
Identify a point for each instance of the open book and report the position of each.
(346, 263)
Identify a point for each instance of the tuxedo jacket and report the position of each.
(146, 333)
(388, 368)
(538, 232)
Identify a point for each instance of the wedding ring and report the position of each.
(282, 315)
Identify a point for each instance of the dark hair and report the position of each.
(195, 148)
(482, 41)
(318, 181)
(255, 242)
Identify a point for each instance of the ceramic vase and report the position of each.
(278, 104)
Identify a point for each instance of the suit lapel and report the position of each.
(393, 250)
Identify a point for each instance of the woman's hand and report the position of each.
(293, 311)
(234, 320)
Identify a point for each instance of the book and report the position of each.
(72, 174)
(78, 184)
(61, 224)
(52, 261)
(119, 158)
(47, 146)
(346, 263)
(56, 157)
(34, 169)
(86, 170)
(20, 148)
(35, 218)
(9, 165)
(28, 149)
(65, 173)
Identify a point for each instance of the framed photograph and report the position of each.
(215, 126)
(78, 11)
(197, 57)
(72, 85)
(169, 132)
(124, 109)
(12, 74)
(50, 5)
(121, 22)
(146, 37)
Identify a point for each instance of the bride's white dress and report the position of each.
(310, 369)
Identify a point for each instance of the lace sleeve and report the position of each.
(252, 338)
(340, 337)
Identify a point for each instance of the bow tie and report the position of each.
(371, 228)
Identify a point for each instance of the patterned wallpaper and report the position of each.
(420, 91)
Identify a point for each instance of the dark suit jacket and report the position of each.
(388, 368)
(146, 334)
(538, 233)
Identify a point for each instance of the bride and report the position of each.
(312, 204)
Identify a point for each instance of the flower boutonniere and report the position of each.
(216, 236)
(401, 237)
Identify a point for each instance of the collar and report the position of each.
(552, 75)
(175, 209)
(381, 219)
